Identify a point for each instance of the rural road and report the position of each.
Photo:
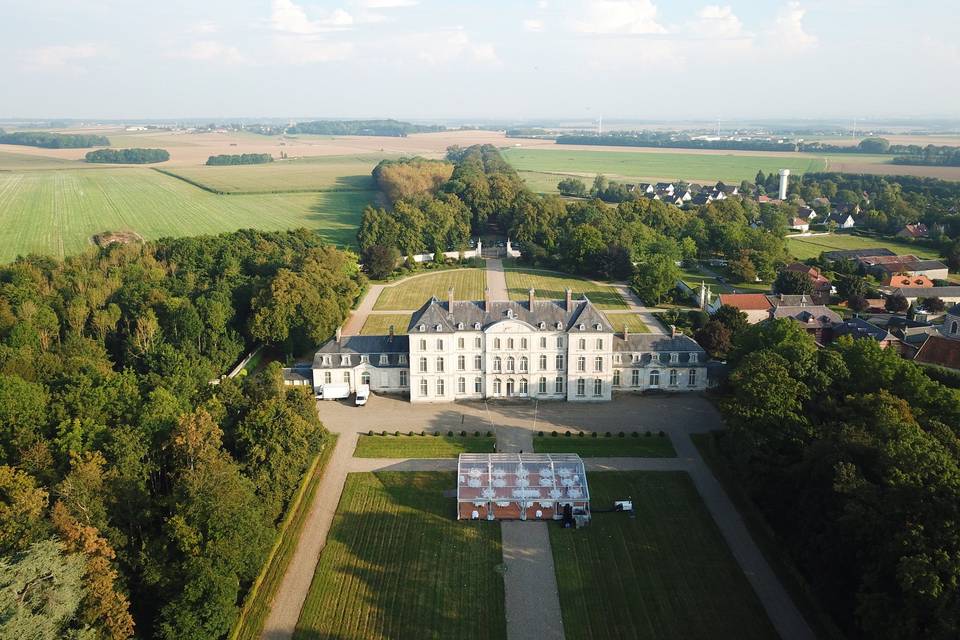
(636, 307)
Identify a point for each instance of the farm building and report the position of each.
(521, 486)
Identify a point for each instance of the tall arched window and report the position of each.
(543, 385)
(692, 381)
(509, 343)
(543, 362)
(365, 377)
(510, 363)
(496, 363)
(523, 386)
(496, 343)
(581, 387)
(673, 377)
(496, 386)
(523, 364)
(461, 385)
(655, 378)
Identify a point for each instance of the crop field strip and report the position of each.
(812, 246)
(56, 212)
(398, 565)
(666, 573)
(410, 294)
(552, 285)
(632, 166)
(417, 446)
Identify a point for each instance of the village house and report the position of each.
(913, 231)
(817, 320)
(798, 224)
(950, 295)
(905, 280)
(885, 266)
(821, 285)
(842, 220)
(756, 306)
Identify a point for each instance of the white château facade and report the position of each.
(544, 349)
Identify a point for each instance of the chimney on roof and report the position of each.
(569, 294)
(532, 295)
(450, 299)
(339, 334)
(390, 339)
(486, 299)
(674, 332)
(626, 332)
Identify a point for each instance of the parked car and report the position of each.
(363, 392)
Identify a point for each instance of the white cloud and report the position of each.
(543, 4)
(58, 57)
(288, 17)
(788, 32)
(204, 27)
(211, 51)
(714, 21)
(618, 16)
(533, 25)
(446, 46)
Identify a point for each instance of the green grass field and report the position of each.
(642, 446)
(468, 284)
(551, 285)
(631, 320)
(324, 173)
(256, 608)
(397, 564)
(667, 573)
(624, 165)
(813, 246)
(57, 212)
(404, 446)
(379, 324)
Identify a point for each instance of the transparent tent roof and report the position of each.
(501, 477)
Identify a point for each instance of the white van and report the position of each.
(363, 392)
(334, 392)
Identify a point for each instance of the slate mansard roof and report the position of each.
(354, 346)
(469, 315)
(648, 344)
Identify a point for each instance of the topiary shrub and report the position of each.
(553, 434)
(476, 434)
(449, 434)
(410, 433)
(634, 434)
(396, 433)
(384, 432)
(593, 434)
(423, 433)
(661, 433)
(621, 434)
(579, 434)
(566, 434)
(435, 434)
(647, 434)
(607, 435)
(370, 433)
(463, 434)
(539, 434)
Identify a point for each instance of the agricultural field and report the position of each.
(663, 164)
(410, 294)
(416, 446)
(811, 246)
(57, 212)
(641, 446)
(378, 324)
(330, 173)
(666, 573)
(632, 321)
(552, 285)
(397, 564)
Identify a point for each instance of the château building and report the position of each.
(545, 349)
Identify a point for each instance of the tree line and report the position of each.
(127, 156)
(394, 128)
(930, 155)
(853, 455)
(49, 140)
(136, 497)
(242, 158)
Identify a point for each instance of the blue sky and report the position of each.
(643, 59)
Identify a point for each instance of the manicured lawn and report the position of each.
(632, 321)
(666, 573)
(397, 564)
(662, 163)
(379, 324)
(813, 246)
(56, 212)
(642, 446)
(468, 284)
(257, 606)
(551, 285)
(404, 446)
(325, 173)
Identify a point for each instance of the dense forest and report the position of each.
(242, 158)
(48, 140)
(931, 155)
(589, 237)
(393, 128)
(853, 455)
(128, 156)
(136, 497)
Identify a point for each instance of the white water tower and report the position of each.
(784, 177)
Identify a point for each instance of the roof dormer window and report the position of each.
(559, 325)
(581, 327)
(598, 326)
(344, 361)
(460, 326)
(674, 357)
(693, 357)
(510, 313)
(383, 358)
(476, 326)
(326, 361)
(422, 328)
(542, 325)
(364, 358)
(439, 327)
